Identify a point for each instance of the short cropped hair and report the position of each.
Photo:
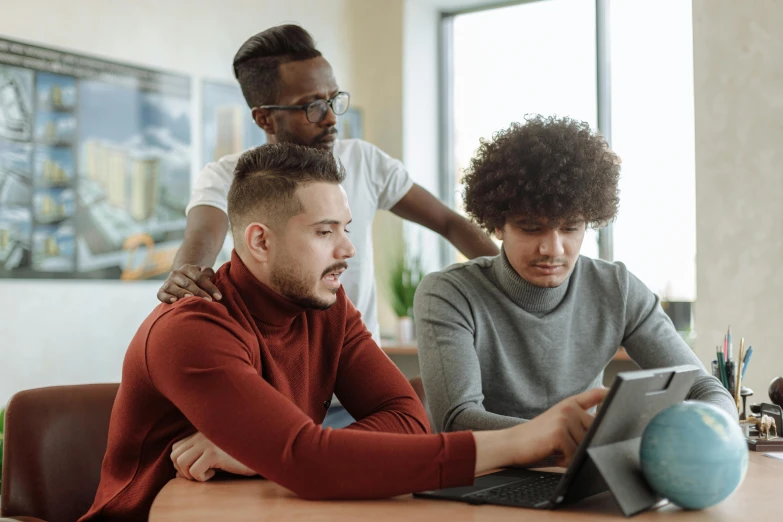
(266, 179)
(257, 63)
(552, 168)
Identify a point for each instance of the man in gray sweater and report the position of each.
(504, 338)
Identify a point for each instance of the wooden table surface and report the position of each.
(757, 499)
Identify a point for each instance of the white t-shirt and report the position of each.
(373, 180)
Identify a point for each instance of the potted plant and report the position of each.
(405, 278)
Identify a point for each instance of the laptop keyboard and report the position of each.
(529, 492)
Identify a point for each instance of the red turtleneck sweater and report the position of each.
(254, 373)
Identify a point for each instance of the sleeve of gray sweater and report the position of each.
(449, 366)
(652, 342)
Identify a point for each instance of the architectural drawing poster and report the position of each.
(95, 161)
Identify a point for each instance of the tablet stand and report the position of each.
(611, 460)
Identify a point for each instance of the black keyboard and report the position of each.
(530, 492)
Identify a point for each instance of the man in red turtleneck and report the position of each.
(253, 373)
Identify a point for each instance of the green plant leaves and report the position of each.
(405, 278)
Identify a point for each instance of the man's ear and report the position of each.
(264, 120)
(499, 233)
(258, 240)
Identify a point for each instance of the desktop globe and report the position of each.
(776, 391)
(694, 454)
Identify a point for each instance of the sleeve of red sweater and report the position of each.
(200, 360)
(371, 388)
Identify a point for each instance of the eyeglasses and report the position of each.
(316, 110)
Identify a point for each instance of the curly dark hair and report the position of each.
(548, 167)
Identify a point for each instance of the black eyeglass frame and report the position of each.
(306, 107)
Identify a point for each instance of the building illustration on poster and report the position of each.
(227, 126)
(95, 161)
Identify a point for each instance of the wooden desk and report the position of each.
(758, 498)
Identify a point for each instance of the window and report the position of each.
(653, 132)
(541, 57)
(509, 62)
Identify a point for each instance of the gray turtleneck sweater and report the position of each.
(495, 350)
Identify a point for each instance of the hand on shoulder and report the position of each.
(188, 281)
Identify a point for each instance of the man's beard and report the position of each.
(284, 136)
(290, 283)
(292, 286)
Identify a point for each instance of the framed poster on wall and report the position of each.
(95, 161)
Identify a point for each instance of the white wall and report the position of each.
(396, 82)
(376, 27)
(57, 332)
(738, 88)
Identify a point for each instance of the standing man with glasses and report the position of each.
(295, 98)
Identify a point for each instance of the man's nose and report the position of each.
(552, 245)
(347, 250)
(330, 119)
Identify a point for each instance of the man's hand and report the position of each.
(196, 458)
(559, 430)
(187, 281)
